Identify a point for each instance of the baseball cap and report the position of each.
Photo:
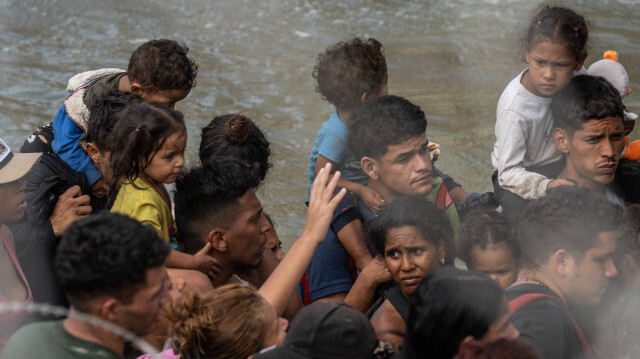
(14, 166)
(326, 331)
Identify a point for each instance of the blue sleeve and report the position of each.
(332, 145)
(329, 272)
(65, 144)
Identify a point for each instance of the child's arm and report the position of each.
(277, 289)
(364, 289)
(372, 199)
(351, 236)
(200, 261)
(65, 144)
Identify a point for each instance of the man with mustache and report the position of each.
(588, 130)
(388, 136)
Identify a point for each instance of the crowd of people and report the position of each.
(395, 259)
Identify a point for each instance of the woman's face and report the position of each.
(277, 329)
(501, 327)
(410, 257)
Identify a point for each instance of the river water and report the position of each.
(453, 58)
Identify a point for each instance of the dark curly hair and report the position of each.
(162, 64)
(103, 115)
(567, 217)
(106, 254)
(236, 136)
(347, 70)
(560, 25)
(208, 196)
(417, 212)
(585, 98)
(486, 227)
(385, 121)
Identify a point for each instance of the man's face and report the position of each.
(406, 167)
(593, 152)
(246, 236)
(13, 201)
(588, 279)
(143, 313)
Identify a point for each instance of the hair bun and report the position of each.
(238, 128)
(611, 55)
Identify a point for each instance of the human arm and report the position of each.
(388, 324)
(72, 205)
(276, 290)
(200, 261)
(364, 289)
(351, 236)
(372, 199)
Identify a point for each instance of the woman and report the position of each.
(414, 237)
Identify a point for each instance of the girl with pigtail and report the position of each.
(524, 156)
(146, 152)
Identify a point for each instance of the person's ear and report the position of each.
(370, 167)
(137, 89)
(108, 309)
(561, 140)
(216, 238)
(561, 261)
(581, 60)
(93, 153)
(364, 98)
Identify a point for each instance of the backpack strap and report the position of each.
(522, 300)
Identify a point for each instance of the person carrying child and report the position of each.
(524, 156)
(147, 151)
(158, 71)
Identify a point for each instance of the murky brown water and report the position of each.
(453, 58)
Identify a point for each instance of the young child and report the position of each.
(147, 147)
(158, 71)
(487, 245)
(524, 155)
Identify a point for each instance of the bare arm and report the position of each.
(352, 238)
(388, 324)
(364, 289)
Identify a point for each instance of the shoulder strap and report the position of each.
(522, 300)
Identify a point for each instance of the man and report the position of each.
(589, 131)
(388, 136)
(111, 267)
(568, 240)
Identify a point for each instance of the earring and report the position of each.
(441, 260)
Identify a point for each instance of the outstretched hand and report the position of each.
(322, 203)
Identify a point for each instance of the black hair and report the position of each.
(380, 123)
(162, 64)
(208, 196)
(347, 70)
(140, 131)
(628, 236)
(560, 25)
(567, 217)
(102, 116)
(106, 254)
(417, 212)
(484, 227)
(585, 98)
(236, 136)
(449, 305)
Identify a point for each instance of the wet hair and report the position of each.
(385, 121)
(347, 70)
(585, 98)
(228, 322)
(502, 348)
(449, 305)
(236, 136)
(208, 196)
(486, 227)
(160, 65)
(559, 25)
(416, 212)
(567, 217)
(102, 116)
(106, 254)
(140, 131)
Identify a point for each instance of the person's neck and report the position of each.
(92, 333)
(226, 269)
(344, 116)
(124, 84)
(568, 174)
(541, 276)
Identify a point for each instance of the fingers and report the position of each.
(205, 249)
(72, 192)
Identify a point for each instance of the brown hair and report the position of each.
(228, 322)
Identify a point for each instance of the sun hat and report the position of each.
(326, 331)
(14, 166)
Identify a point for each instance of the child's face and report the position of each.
(551, 67)
(165, 97)
(496, 261)
(409, 257)
(167, 163)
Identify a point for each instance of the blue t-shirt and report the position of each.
(331, 142)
